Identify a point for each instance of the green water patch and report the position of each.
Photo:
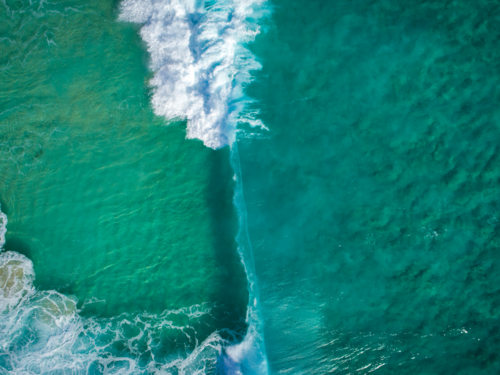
(373, 199)
(110, 203)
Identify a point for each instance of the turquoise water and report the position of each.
(114, 207)
(247, 187)
(373, 199)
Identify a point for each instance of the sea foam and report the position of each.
(3, 228)
(43, 332)
(201, 62)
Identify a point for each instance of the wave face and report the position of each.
(43, 331)
(249, 356)
(200, 61)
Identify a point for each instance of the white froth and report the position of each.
(44, 333)
(3, 228)
(249, 355)
(198, 53)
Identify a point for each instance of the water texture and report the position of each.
(373, 199)
(199, 55)
(356, 232)
(121, 246)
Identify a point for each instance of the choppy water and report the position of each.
(350, 227)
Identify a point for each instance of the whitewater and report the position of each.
(42, 331)
(201, 62)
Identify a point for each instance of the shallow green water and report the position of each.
(373, 199)
(112, 204)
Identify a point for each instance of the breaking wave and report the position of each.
(249, 356)
(200, 61)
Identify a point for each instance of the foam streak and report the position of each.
(248, 357)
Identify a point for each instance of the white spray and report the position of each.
(200, 62)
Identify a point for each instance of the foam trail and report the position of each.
(198, 52)
(248, 357)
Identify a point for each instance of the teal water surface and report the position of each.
(373, 199)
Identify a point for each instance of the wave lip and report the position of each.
(198, 52)
(249, 356)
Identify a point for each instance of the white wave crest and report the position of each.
(198, 52)
(249, 356)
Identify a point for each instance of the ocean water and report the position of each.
(249, 187)
(373, 198)
(120, 252)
